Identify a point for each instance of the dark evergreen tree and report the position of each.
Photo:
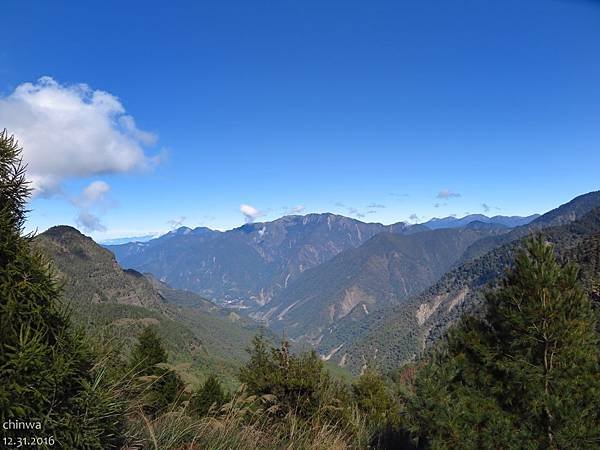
(525, 376)
(148, 352)
(46, 369)
(210, 394)
(162, 386)
(299, 382)
(374, 399)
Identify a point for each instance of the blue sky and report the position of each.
(368, 109)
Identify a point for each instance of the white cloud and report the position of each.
(72, 131)
(250, 213)
(94, 196)
(89, 221)
(375, 205)
(445, 194)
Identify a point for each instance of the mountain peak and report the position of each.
(182, 230)
(61, 230)
(570, 211)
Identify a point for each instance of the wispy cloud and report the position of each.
(250, 213)
(176, 222)
(72, 131)
(447, 194)
(355, 212)
(352, 211)
(375, 206)
(414, 218)
(298, 209)
(486, 207)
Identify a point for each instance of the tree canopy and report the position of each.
(526, 375)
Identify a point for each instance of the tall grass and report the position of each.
(247, 422)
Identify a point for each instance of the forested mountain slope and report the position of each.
(104, 298)
(384, 271)
(250, 264)
(391, 336)
(566, 213)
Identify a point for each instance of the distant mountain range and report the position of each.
(353, 290)
(249, 265)
(397, 334)
(384, 271)
(453, 222)
(108, 300)
(125, 240)
(301, 274)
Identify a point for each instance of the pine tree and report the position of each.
(148, 352)
(45, 366)
(210, 394)
(298, 382)
(527, 375)
(162, 386)
(373, 398)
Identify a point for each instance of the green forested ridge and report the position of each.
(562, 215)
(117, 303)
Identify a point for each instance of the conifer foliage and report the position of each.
(148, 352)
(45, 367)
(525, 376)
(210, 395)
(148, 360)
(374, 399)
(297, 381)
